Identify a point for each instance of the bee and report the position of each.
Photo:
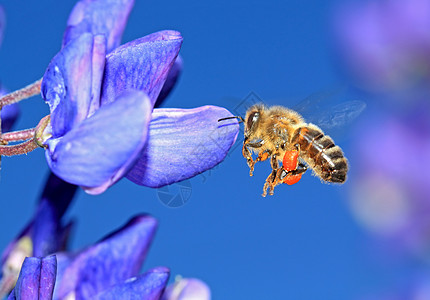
(282, 135)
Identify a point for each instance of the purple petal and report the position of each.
(183, 143)
(105, 17)
(37, 278)
(171, 80)
(187, 289)
(98, 67)
(148, 286)
(109, 262)
(142, 64)
(101, 149)
(67, 83)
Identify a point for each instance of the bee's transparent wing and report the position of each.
(317, 101)
(339, 115)
(329, 111)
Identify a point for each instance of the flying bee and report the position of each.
(282, 135)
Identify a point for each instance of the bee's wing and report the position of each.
(317, 101)
(339, 115)
(330, 113)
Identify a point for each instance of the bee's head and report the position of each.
(252, 118)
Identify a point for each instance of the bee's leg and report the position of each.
(247, 154)
(272, 181)
(262, 156)
(274, 162)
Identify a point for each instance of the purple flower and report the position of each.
(392, 188)
(36, 279)
(110, 262)
(102, 96)
(107, 270)
(386, 44)
(44, 235)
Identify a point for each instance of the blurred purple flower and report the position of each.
(101, 106)
(44, 235)
(386, 44)
(391, 193)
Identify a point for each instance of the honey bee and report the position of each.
(282, 135)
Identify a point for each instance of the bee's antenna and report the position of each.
(235, 117)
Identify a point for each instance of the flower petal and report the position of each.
(148, 286)
(36, 279)
(183, 143)
(171, 80)
(66, 85)
(142, 64)
(111, 261)
(101, 149)
(98, 68)
(105, 17)
(187, 289)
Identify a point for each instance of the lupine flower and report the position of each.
(108, 270)
(392, 188)
(101, 107)
(44, 235)
(386, 44)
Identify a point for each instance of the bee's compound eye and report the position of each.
(252, 119)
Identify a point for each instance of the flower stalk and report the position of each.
(16, 136)
(24, 93)
(34, 136)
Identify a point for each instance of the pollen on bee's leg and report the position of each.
(289, 161)
(292, 179)
(263, 156)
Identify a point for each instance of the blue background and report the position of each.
(302, 243)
